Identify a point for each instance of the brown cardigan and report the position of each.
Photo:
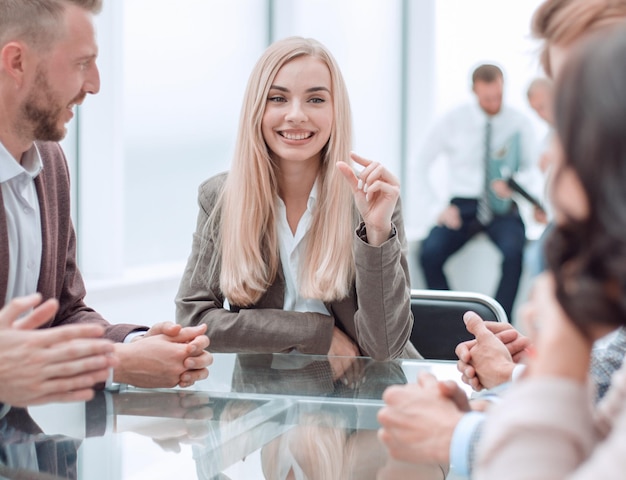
(59, 276)
(376, 315)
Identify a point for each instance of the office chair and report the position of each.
(438, 320)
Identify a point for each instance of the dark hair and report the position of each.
(588, 257)
(486, 73)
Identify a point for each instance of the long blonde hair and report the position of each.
(243, 226)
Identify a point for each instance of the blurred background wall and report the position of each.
(173, 76)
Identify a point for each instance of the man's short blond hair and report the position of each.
(37, 22)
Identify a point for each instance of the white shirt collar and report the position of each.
(10, 168)
(477, 109)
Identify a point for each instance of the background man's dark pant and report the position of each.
(506, 231)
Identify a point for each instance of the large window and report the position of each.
(173, 76)
(185, 69)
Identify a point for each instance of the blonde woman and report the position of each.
(301, 245)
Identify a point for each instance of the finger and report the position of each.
(187, 334)
(345, 365)
(199, 361)
(517, 346)
(497, 327)
(384, 436)
(58, 335)
(506, 336)
(472, 381)
(462, 366)
(198, 345)
(426, 380)
(349, 376)
(376, 171)
(462, 350)
(371, 166)
(84, 374)
(171, 329)
(349, 175)
(360, 160)
(355, 373)
(381, 187)
(366, 176)
(39, 316)
(16, 307)
(393, 394)
(451, 390)
(78, 382)
(359, 368)
(469, 372)
(391, 417)
(75, 360)
(475, 384)
(476, 326)
(164, 328)
(520, 356)
(189, 377)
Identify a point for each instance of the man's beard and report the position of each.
(42, 110)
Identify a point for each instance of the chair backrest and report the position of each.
(438, 325)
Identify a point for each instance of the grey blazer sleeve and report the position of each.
(383, 320)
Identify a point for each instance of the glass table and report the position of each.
(257, 416)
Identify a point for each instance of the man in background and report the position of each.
(484, 142)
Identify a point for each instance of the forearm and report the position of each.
(260, 330)
(72, 310)
(383, 318)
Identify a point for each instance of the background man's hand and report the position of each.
(450, 218)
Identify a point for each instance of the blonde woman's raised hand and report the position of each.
(376, 193)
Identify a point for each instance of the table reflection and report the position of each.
(301, 375)
(315, 439)
(279, 417)
(25, 448)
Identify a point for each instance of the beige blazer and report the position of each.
(376, 314)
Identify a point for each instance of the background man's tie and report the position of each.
(484, 212)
